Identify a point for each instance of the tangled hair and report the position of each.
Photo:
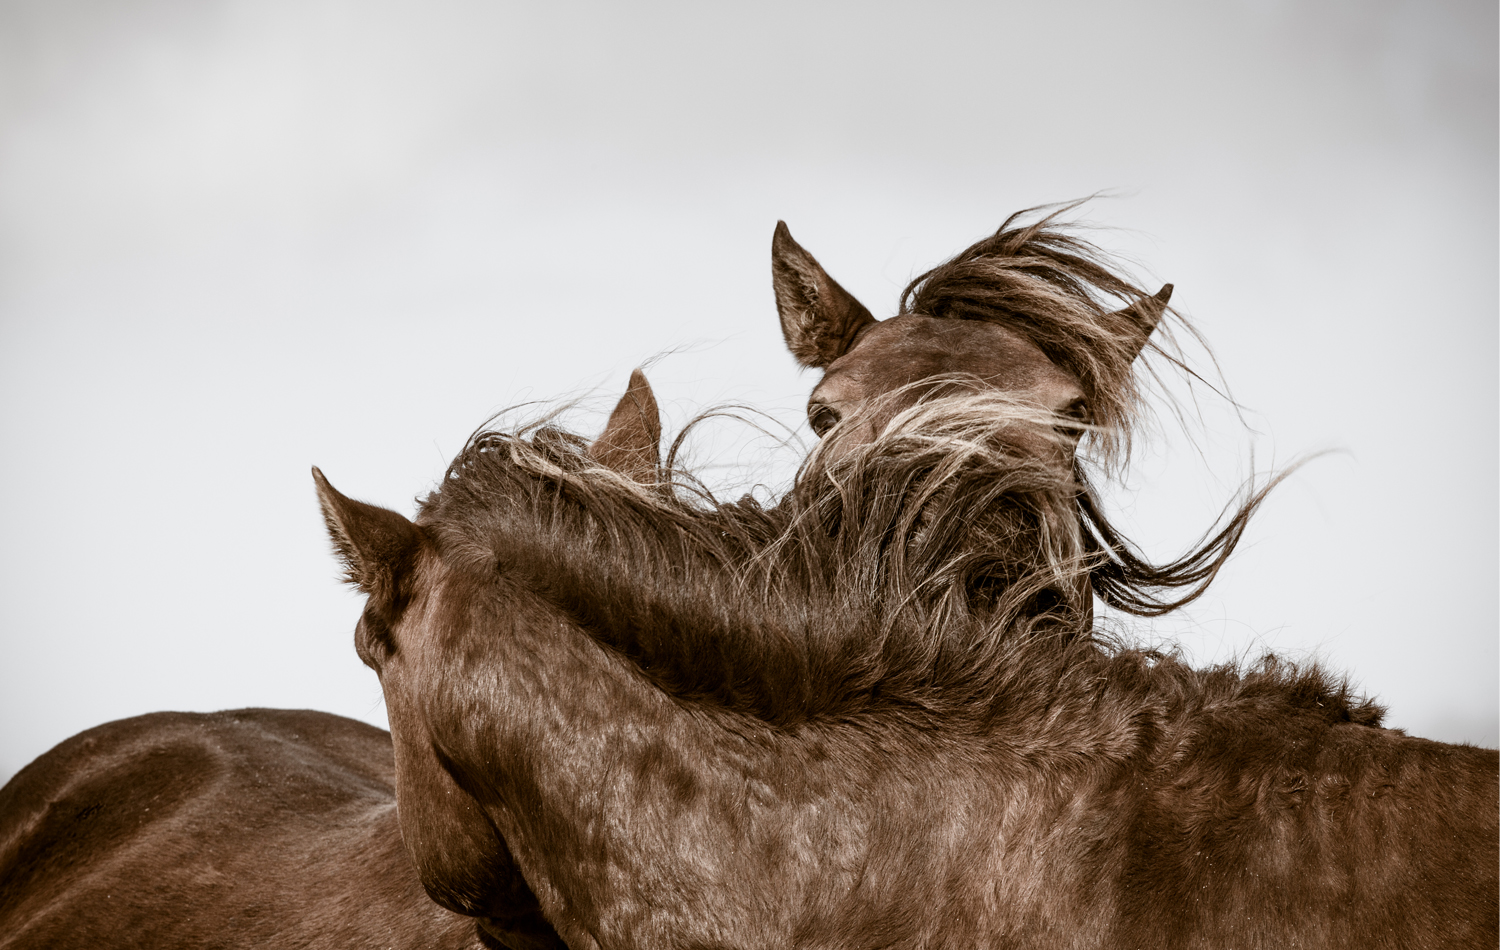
(1064, 294)
(937, 575)
(906, 573)
(1072, 300)
(1126, 580)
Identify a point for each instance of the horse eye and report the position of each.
(822, 418)
(1077, 410)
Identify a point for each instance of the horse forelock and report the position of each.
(1061, 292)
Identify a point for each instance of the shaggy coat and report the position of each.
(873, 716)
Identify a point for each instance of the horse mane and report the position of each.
(1064, 294)
(902, 574)
(937, 574)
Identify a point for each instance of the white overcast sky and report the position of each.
(241, 238)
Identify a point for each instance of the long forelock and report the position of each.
(1057, 289)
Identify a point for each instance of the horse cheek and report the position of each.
(459, 857)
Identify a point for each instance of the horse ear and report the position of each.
(374, 544)
(1141, 317)
(819, 319)
(631, 441)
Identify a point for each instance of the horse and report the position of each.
(1065, 374)
(245, 828)
(1025, 311)
(875, 714)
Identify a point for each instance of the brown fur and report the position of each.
(1056, 289)
(250, 828)
(874, 716)
(1033, 311)
(258, 827)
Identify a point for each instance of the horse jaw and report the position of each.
(462, 861)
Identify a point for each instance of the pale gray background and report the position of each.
(241, 238)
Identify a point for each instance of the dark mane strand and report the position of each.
(1064, 293)
(906, 574)
(1124, 579)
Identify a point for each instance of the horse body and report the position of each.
(246, 828)
(1060, 794)
(875, 715)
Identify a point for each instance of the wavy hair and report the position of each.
(1038, 276)
(926, 574)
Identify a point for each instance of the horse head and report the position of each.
(1023, 315)
(461, 856)
(1018, 312)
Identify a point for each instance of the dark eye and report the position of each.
(822, 418)
(1078, 411)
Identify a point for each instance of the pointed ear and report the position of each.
(631, 441)
(375, 544)
(1140, 318)
(819, 319)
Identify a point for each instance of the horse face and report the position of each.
(462, 861)
(405, 633)
(895, 363)
(872, 369)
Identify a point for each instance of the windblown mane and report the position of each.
(1065, 294)
(938, 573)
(901, 573)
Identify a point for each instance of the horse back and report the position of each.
(252, 827)
(1346, 836)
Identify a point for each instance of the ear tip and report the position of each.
(639, 389)
(323, 486)
(1165, 293)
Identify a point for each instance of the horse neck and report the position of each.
(608, 788)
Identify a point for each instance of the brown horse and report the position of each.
(1021, 311)
(1025, 311)
(248, 828)
(877, 714)
(872, 716)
